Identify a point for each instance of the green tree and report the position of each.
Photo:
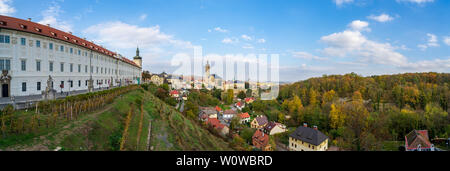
(241, 95)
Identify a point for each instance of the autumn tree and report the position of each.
(337, 117)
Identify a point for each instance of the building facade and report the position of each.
(308, 139)
(31, 54)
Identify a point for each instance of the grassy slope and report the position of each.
(101, 131)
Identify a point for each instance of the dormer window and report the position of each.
(38, 29)
(23, 26)
(84, 44)
(74, 40)
(54, 34)
(3, 23)
(65, 37)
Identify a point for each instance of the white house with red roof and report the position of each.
(174, 94)
(239, 105)
(244, 118)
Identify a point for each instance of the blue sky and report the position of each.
(313, 38)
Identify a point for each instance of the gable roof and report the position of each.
(271, 125)
(215, 123)
(309, 135)
(47, 31)
(261, 138)
(244, 115)
(174, 92)
(218, 109)
(230, 112)
(416, 138)
(262, 120)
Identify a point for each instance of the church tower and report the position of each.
(207, 72)
(138, 59)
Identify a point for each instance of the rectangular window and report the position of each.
(71, 50)
(7, 64)
(61, 48)
(24, 87)
(85, 69)
(79, 52)
(71, 84)
(23, 65)
(50, 46)
(4, 39)
(23, 41)
(38, 43)
(62, 67)
(79, 83)
(38, 65)
(86, 82)
(97, 70)
(79, 68)
(62, 84)
(38, 86)
(71, 67)
(51, 66)
(2, 64)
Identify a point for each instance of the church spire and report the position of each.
(137, 51)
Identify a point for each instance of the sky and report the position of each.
(312, 38)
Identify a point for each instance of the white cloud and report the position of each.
(306, 55)
(157, 48)
(6, 7)
(220, 30)
(143, 17)
(245, 37)
(381, 18)
(447, 40)
(359, 25)
(121, 35)
(351, 43)
(261, 40)
(342, 2)
(248, 46)
(230, 40)
(50, 16)
(416, 1)
(432, 42)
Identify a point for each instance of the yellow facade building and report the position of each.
(308, 139)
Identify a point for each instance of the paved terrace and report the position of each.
(24, 102)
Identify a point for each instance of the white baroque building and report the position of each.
(30, 53)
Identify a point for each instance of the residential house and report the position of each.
(239, 105)
(418, 141)
(210, 112)
(249, 100)
(174, 94)
(259, 122)
(260, 141)
(221, 128)
(244, 118)
(273, 128)
(308, 139)
(229, 114)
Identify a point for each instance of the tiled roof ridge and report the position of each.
(48, 31)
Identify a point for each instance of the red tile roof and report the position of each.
(173, 92)
(43, 30)
(218, 109)
(215, 123)
(260, 140)
(416, 138)
(249, 98)
(244, 115)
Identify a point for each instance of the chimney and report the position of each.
(48, 25)
(29, 19)
(315, 128)
(305, 125)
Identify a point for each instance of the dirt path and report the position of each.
(149, 135)
(67, 130)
